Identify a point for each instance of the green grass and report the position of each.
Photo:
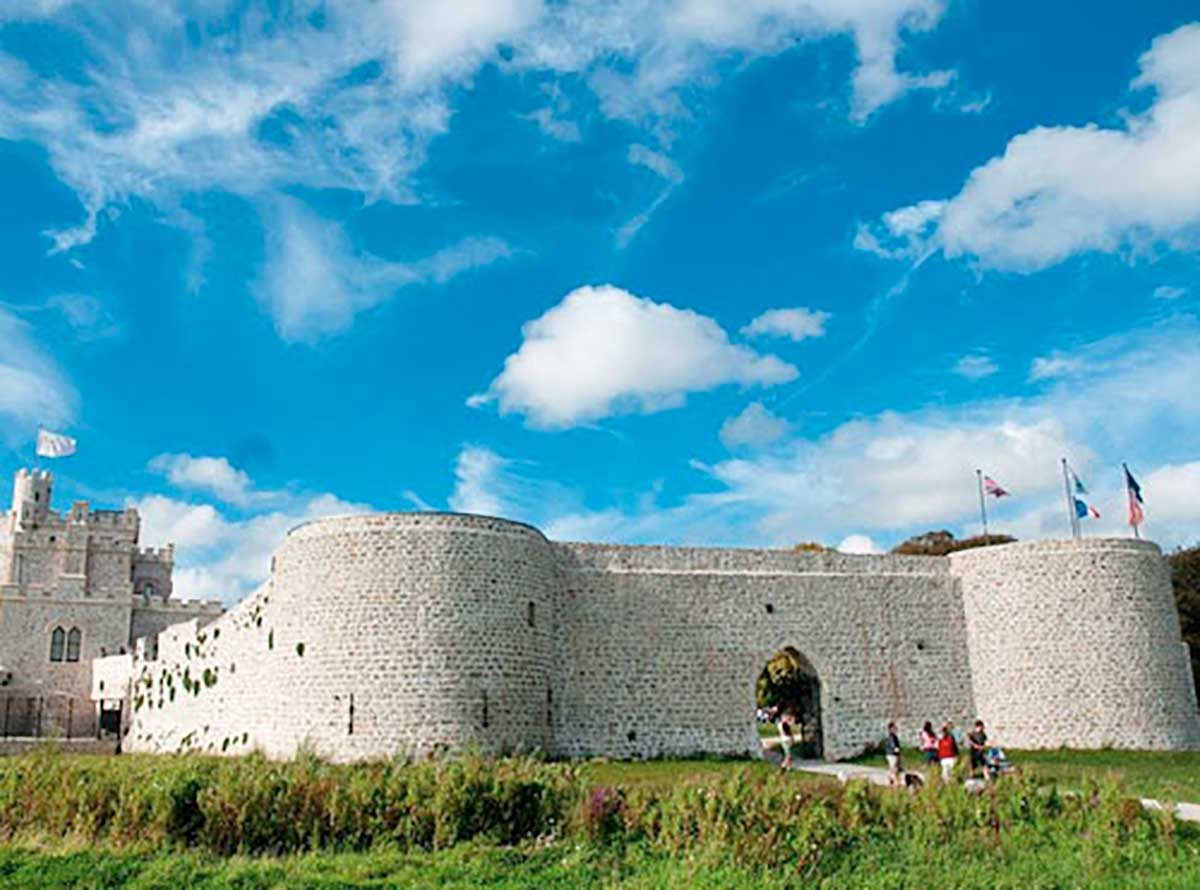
(768, 731)
(246, 823)
(1022, 860)
(1165, 775)
(660, 775)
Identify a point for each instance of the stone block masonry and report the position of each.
(408, 634)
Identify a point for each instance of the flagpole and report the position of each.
(982, 505)
(1070, 501)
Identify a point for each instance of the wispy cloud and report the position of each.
(313, 281)
(33, 389)
(975, 367)
(180, 96)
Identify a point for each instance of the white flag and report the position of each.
(54, 444)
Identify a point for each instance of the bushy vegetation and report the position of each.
(1185, 579)
(763, 825)
(940, 543)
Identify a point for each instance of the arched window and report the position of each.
(58, 641)
(74, 638)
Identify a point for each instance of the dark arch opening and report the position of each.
(788, 704)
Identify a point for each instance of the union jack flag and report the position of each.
(992, 487)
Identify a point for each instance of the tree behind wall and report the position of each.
(939, 543)
(1185, 581)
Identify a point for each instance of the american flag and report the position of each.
(992, 487)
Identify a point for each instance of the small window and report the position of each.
(531, 616)
(147, 590)
(58, 641)
(74, 639)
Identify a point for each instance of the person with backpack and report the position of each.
(947, 751)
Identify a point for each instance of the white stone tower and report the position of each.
(31, 498)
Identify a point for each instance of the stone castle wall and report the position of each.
(408, 633)
(1077, 643)
(661, 647)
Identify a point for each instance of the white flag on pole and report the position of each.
(54, 444)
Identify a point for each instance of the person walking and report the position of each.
(977, 748)
(929, 741)
(947, 752)
(891, 749)
(785, 738)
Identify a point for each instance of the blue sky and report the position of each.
(699, 271)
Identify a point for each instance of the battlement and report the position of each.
(156, 554)
(189, 607)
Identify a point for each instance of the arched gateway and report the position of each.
(412, 633)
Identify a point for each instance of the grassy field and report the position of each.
(246, 823)
(660, 775)
(1165, 775)
(1026, 861)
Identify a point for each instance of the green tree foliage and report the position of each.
(786, 681)
(939, 543)
(1185, 580)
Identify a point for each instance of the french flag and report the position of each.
(1136, 514)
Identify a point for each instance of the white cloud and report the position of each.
(214, 475)
(1057, 191)
(219, 557)
(603, 351)
(658, 162)
(859, 544)
(754, 426)
(1172, 496)
(33, 389)
(902, 234)
(975, 367)
(478, 482)
(180, 96)
(440, 38)
(795, 324)
(896, 474)
(86, 315)
(554, 126)
(1058, 365)
(673, 43)
(313, 281)
(1169, 292)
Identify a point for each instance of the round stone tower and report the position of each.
(408, 633)
(1077, 643)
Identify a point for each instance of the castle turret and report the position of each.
(31, 498)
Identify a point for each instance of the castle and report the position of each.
(73, 587)
(411, 633)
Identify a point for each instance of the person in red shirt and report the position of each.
(947, 751)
